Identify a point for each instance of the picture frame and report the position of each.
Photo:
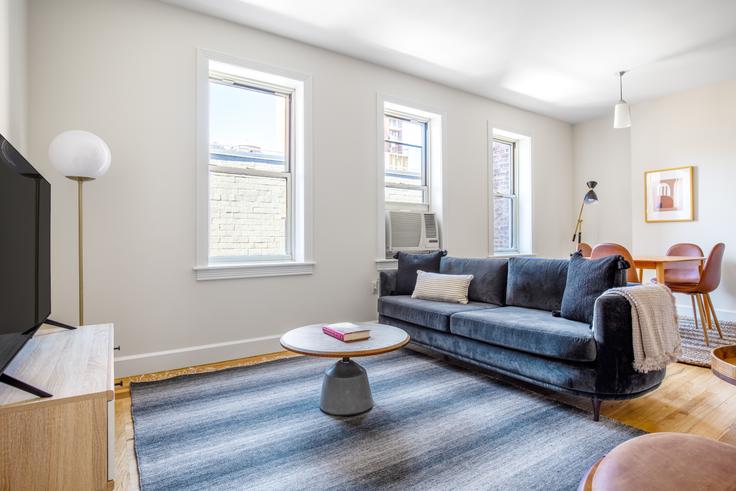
(669, 195)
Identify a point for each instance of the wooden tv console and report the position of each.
(65, 441)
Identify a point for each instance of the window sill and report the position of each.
(501, 255)
(386, 264)
(253, 270)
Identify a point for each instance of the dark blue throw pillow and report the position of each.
(588, 279)
(409, 264)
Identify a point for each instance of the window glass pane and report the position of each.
(247, 215)
(401, 130)
(503, 167)
(401, 195)
(503, 224)
(248, 128)
(403, 164)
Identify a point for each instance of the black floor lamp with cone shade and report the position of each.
(81, 156)
(589, 198)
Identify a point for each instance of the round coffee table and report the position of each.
(345, 388)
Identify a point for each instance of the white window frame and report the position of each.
(514, 195)
(298, 173)
(286, 174)
(435, 171)
(425, 186)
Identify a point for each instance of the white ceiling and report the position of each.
(555, 57)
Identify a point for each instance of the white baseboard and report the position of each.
(723, 315)
(195, 355)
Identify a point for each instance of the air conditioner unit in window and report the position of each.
(411, 231)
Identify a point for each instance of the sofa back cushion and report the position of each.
(409, 264)
(489, 277)
(536, 283)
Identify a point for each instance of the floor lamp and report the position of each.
(81, 156)
(589, 198)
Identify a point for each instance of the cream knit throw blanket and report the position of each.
(654, 329)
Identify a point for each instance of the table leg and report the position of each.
(345, 389)
(660, 273)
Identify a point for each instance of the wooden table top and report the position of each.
(666, 259)
(310, 340)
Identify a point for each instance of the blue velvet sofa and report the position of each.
(508, 327)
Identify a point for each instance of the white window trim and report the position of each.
(435, 162)
(301, 212)
(426, 186)
(514, 195)
(524, 175)
(254, 270)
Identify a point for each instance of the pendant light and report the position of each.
(621, 114)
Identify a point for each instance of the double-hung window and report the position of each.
(254, 174)
(505, 195)
(249, 170)
(406, 161)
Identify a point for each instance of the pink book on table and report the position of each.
(346, 331)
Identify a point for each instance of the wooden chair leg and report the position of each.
(707, 311)
(695, 311)
(702, 318)
(641, 276)
(709, 301)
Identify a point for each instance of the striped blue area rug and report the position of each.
(434, 426)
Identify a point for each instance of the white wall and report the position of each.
(126, 71)
(13, 72)
(602, 154)
(696, 127)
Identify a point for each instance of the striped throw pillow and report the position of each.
(451, 288)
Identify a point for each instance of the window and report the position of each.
(409, 163)
(405, 143)
(505, 195)
(253, 177)
(249, 170)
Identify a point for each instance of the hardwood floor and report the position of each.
(690, 400)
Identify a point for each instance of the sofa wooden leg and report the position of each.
(596, 409)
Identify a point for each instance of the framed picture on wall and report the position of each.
(668, 195)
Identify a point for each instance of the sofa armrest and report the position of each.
(612, 326)
(615, 357)
(387, 282)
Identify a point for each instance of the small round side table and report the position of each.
(345, 387)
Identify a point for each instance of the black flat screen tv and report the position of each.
(25, 265)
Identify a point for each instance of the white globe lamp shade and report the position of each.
(621, 115)
(79, 154)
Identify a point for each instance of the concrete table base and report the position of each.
(345, 389)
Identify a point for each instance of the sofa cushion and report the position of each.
(530, 330)
(489, 277)
(536, 283)
(452, 288)
(426, 313)
(409, 264)
(587, 279)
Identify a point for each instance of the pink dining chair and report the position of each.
(585, 249)
(610, 249)
(700, 291)
(683, 272)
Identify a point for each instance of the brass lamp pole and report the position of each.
(81, 156)
(589, 198)
(80, 241)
